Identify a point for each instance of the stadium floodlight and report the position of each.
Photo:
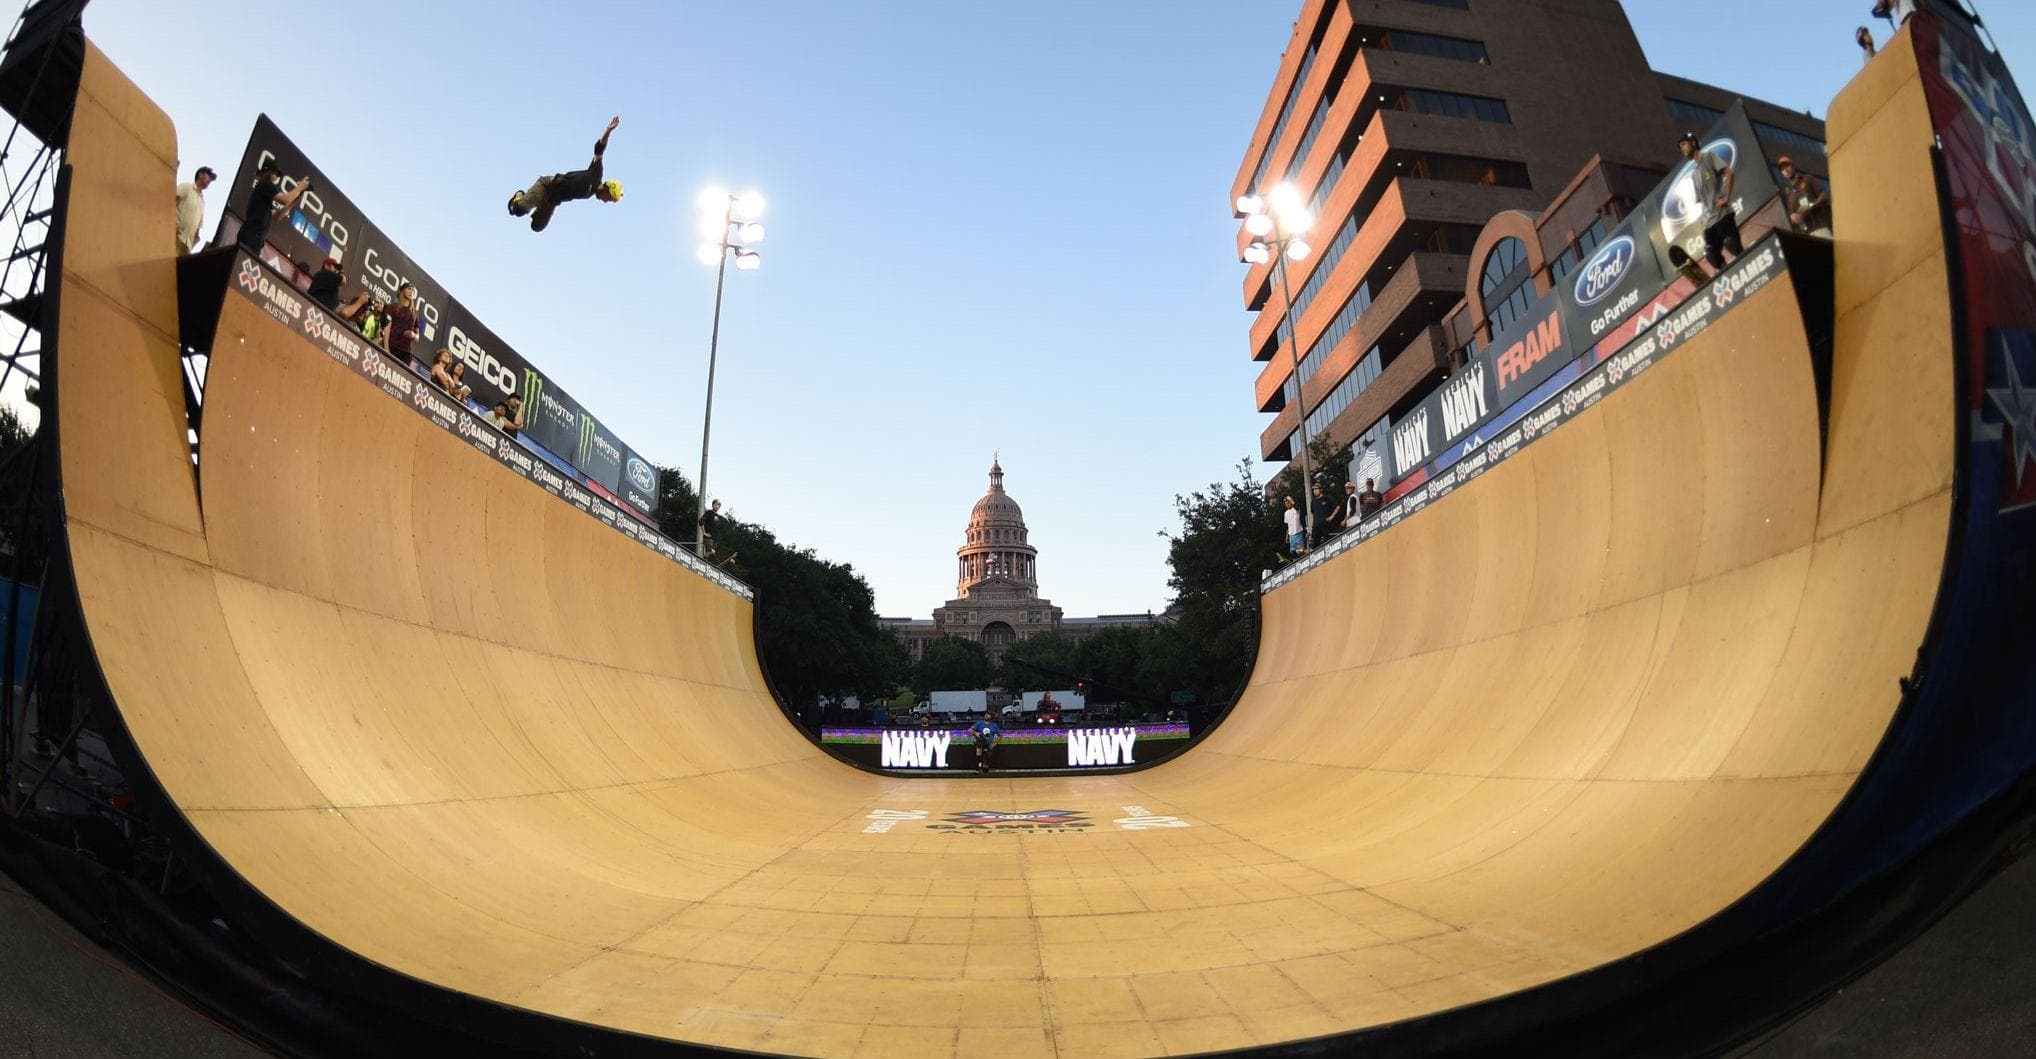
(1278, 220)
(729, 220)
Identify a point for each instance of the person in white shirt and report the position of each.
(191, 208)
(1297, 538)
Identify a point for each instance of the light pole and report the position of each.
(729, 220)
(1279, 221)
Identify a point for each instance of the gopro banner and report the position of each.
(325, 223)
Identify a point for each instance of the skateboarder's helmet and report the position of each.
(612, 189)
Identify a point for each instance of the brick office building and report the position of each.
(1410, 124)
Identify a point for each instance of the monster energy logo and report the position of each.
(586, 445)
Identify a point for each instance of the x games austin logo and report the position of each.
(1028, 822)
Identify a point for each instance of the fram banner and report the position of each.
(325, 223)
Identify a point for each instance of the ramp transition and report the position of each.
(450, 742)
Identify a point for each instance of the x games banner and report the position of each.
(325, 223)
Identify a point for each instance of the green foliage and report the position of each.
(1331, 467)
(950, 664)
(1054, 661)
(1229, 535)
(817, 630)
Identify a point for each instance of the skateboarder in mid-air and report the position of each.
(545, 195)
(985, 733)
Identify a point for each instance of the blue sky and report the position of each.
(991, 227)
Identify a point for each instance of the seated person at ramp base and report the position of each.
(985, 733)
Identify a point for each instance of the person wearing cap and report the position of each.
(1715, 181)
(263, 204)
(191, 208)
(1809, 202)
(547, 193)
(325, 285)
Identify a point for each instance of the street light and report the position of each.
(1279, 220)
(729, 221)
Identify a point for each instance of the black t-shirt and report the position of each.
(578, 184)
(261, 206)
(711, 522)
(1323, 508)
(325, 289)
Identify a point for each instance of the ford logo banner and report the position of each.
(1604, 270)
(640, 476)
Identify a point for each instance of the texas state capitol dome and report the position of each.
(997, 585)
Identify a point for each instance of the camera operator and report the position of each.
(263, 204)
(325, 285)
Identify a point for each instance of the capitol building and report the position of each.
(997, 596)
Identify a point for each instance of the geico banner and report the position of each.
(1678, 214)
(494, 370)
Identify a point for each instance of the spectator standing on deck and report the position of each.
(1715, 184)
(1865, 38)
(1369, 501)
(710, 524)
(1809, 202)
(1297, 539)
(191, 208)
(325, 285)
(263, 203)
(515, 406)
(1321, 507)
(459, 388)
(986, 734)
(1348, 513)
(403, 322)
(373, 320)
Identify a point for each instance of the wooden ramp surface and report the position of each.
(466, 732)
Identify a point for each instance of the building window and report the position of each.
(1450, 238)
(1448, 104)
(1787, 137)
(1325, 343)
(1575, 253)
(1430, 44)
(1693, 113)
(1272, 140)
(1464, 169)
(1367, 371)
(1504, 285)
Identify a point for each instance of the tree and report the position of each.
(817, 628)
(24, 544)
(1229, 535)
(952, 663)
(1040, 662)
(1113, 663)
(1329, 462)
